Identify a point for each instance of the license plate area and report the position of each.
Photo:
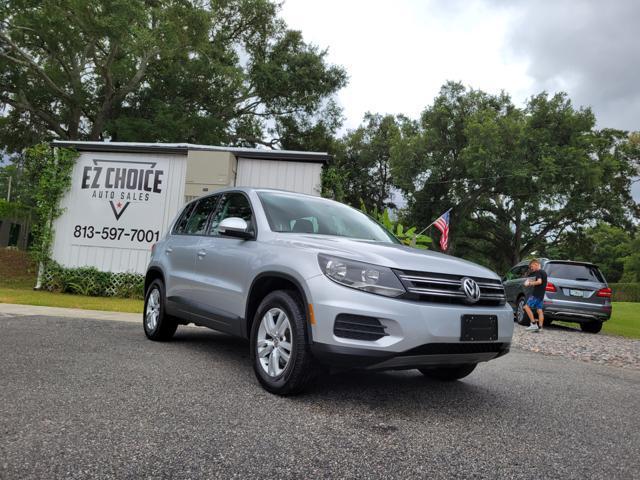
(575, 293)
(479, 328)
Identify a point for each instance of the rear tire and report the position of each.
(158, 325)
(448, 374)
(591, 327)
(281, 357)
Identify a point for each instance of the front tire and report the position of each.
(591, 327)
(282, 360)
(158, 325)
(448, 374)
(521, 316)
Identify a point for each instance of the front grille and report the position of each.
(456, 348)
(447, 288)
(358, 327)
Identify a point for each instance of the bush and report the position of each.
(625, 292)
(92, 282)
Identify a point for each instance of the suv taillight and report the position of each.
(550, 287)
(604, 292)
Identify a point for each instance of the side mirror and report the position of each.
(234, 227)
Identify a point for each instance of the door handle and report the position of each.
(202, 253)
(168, 250)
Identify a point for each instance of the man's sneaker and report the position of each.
(532, 328)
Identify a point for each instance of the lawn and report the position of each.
(28, 296)
(18, 277)
(625, 320)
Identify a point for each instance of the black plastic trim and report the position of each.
(245, 330)
(358, 327)
(204, 315)
(355, 357)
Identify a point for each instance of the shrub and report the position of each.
(625, 292)
(92, 282)
(407, 236)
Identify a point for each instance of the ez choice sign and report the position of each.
(116, 202)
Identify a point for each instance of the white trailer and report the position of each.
(124, 195)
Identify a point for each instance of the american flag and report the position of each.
(442, 224)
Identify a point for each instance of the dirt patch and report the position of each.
(17, 270)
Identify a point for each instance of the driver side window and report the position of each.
(233, 204)
(517, 272)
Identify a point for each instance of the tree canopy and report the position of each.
(216, 72)
(518, 179)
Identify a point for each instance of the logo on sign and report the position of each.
(471, 290)
(122, 182)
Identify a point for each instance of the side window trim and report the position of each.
(214, 210)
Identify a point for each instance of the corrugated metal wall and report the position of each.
(67, 252)
(303, 177)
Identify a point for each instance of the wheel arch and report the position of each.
(154, 273)
(265, 283)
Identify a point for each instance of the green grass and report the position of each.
(624, 321)
(28, 296)
(18, 277)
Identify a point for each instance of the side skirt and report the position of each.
(204, 316)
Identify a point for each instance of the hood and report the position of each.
(384, 254)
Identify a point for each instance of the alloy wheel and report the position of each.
(274, 342)
(152, 313)
(520, 311)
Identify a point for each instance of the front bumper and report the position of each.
(411, 328)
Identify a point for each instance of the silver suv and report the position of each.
(313, 283)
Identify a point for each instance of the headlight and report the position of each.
(362, 276)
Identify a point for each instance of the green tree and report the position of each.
(632, 263)
(517, 178)
(218, 71)
(361, 169)
(605, 245)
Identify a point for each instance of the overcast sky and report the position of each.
(399, 52)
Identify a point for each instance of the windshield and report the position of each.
(572, 271)
(300, 214)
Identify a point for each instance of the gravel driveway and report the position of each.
(571, 343)
(94, 398)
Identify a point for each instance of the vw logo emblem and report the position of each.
(471, 290)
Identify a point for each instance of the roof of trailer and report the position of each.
(184, 148)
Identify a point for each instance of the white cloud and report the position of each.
(398, 54)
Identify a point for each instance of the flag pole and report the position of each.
(425, 228)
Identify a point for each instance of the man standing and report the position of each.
(537, 280)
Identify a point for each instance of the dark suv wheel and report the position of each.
(520, 315)
(280, 354)
(158, 325)
(591, 327)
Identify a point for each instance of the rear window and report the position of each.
(572, 271)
